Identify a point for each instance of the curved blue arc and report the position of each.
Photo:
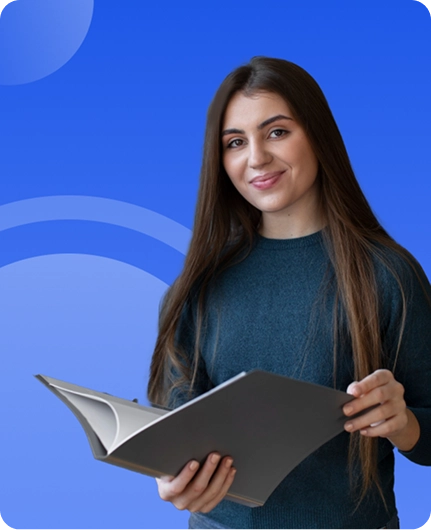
(38, 37)
(98, 209)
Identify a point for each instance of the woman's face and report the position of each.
(269, 160)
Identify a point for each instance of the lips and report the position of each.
(267, 176)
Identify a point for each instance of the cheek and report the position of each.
(306, 160)
(314, 166)
(233, 168)
(299, 146)
(311, 165)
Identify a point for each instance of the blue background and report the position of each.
(124, 120)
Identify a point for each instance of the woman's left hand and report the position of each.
(390, 419)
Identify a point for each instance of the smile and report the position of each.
(268, 183)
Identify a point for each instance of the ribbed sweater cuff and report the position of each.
(421, 454)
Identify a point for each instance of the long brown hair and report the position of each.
(225, 224)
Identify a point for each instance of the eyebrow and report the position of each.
(259, 127)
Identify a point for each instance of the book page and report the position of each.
(100, 416)
(131, 421)
(111, 420)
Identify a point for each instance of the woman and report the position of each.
(289, 271)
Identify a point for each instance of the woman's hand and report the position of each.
(198, 491)
(391, 419)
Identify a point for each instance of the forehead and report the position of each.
(248, 111)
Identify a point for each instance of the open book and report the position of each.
(268, 423)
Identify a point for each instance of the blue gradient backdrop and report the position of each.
(121, 117)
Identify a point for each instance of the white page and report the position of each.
(100, 415)
(104, 415)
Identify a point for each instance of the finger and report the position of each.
(377, 378)
(215, 485)
(385, 429)
(226, 486)
(164, 478)
(198, 485)
(375, 416)
(392, 391)
(170, 487)
(350, 387)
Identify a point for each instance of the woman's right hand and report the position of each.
(192, 490)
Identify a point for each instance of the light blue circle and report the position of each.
(98, 209)
(37, 37)
(84, 319)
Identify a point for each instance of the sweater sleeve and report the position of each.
(413, 366)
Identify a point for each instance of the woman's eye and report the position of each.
(279, 132)
(234, 144)
(237, 142)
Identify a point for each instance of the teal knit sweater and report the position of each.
(274, 311)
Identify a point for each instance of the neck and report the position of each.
(289, 228)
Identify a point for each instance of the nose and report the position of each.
(258, 155)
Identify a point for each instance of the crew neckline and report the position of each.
(295, 242)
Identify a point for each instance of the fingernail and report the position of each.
(349, 426)
(194, 466)
(228, 462)
(232, 472)
(377, 423)
(347, 410)
(215, 459)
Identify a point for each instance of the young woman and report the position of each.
(289, 271)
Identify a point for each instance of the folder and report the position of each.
(267, 423)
